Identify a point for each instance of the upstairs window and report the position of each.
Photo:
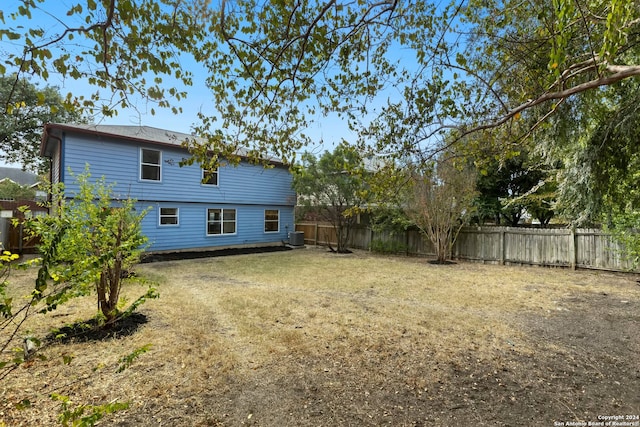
(150, 164)
(271, 221)
(169, 216)
(221, 221)
(210, 177)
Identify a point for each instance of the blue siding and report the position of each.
(250, 189)
(119, 163)
(191, 233)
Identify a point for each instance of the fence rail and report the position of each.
(555, 247)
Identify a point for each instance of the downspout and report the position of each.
(47, 136)
(51, 160)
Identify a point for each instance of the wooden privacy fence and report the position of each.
(554, 247)
(15, 239)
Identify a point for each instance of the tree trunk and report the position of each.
(102, 293)
(114, 286)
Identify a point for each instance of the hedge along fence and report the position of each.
(553, 247)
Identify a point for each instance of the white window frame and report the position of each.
(216, 173)
(222, 221)
(161, 216)
(271, 221)
(158, 165)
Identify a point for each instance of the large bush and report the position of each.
(89, 243)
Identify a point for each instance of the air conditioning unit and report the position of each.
(296, 238)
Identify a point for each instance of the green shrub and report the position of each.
(388, 246)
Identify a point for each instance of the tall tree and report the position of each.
(441, 202)
(14, 191)
(567, 66)
(26, 109)
(334, 187)
(408, 77)
(601, 164)
(510, 187)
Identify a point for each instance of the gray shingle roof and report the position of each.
(141, 133)
(19, 176)
(146, 133)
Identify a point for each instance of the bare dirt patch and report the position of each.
(310, 338)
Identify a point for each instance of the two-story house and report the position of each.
(234, 206)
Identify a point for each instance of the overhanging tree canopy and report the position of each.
(27, 109)
(403, 74)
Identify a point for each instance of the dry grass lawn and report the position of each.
(309, 338)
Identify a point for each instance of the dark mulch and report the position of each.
(176, 256)
(445, 262)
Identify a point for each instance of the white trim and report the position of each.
(160, 216)
(221, 221)
(140, 164)
(206, 184)
(264, 227)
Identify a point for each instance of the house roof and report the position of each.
(146, 134)
(19, 176)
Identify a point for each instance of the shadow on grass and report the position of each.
(92, 330)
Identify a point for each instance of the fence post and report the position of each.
(502, 247)
(371, 236)
(572, 249)
(406, 241)
(315, 235)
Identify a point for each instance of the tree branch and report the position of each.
(618, 73)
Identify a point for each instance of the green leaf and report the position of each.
(23, 404)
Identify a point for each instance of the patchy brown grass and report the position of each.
(311, 338)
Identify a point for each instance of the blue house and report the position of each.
(238, 206)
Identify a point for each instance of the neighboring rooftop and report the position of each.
(19, 176)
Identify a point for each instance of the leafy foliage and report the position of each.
(409, 78)
(602, 164)
(12, 317)
(5, 303)
(14, 191)
(567, 69)
(625, 229)
(88, 245)
(384, 246)
(82, 415)
(275, 67)
(90, 242)
(24, 109)
(334, 187)
(126, 361)
(128, 48)
(440, 203)
(508, 188)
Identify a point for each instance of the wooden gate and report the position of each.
(14, 238)
(19, 242)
